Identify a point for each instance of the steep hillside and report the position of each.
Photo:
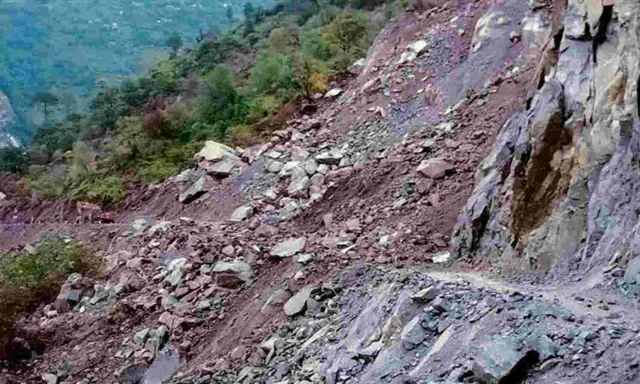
(458, 209)
(73, 47)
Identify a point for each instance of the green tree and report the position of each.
(175, 43)
(283, 40)
(249, 11)
(47, 99)
(229, 12)
(220, 105)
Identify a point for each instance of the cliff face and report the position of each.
(560, 191)
(6, 119)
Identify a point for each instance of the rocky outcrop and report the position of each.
(559, 191)
(7, 118)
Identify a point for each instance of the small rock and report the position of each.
(195, 191)
(412, 334)
(274, 166)
(306, 258)
(289, 247)
(242, 213)
(141, 336)
(332, 157)
(434, 168)
(298, 303)
(49, 378)
(425, 296)
(333, 93)
(232, 274)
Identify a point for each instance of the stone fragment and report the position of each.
(49, 378)
(194, 192)
(140, 337)
(496, 359)
(305, 259)
(441, 258)
(298, 303)
(317, 180)
(299, 183)
(289, 247)
(290, 167)
(311, 167)
(425, 296)
(332, 157)
(333, 93)
(412, 334)
(372, 351)
(232, 274)
(274, 166)
(140, 225)
(434, 168)
(242, 213)
(176, 270)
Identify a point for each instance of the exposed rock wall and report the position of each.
(6, 120)
(560, 191)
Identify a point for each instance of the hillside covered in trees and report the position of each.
(72, 48)
(235, 87)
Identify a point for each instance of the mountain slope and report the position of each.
(369, 240)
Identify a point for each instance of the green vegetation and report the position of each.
(69, 47)
(233, 87)
(33, 277)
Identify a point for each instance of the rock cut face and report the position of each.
(558, 193)
(7, 117)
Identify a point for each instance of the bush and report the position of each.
(39, 179)
(220, 104)
(98, 188)
(34, 277)
(166, 76)
(272, 73)
(313, 44)
(13, 159)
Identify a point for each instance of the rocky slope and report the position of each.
(369, 241)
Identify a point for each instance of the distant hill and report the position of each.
(70, 47)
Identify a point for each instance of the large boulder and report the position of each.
(218, 159)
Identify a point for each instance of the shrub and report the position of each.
(13, 159)
(33, 277)
(154, 120)
(79, 160)
(39, 179)
(98, 188)
(220, 104)
(243, 135)
(313, 44)
(166, 76)
(264, 106)
(272, 73)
